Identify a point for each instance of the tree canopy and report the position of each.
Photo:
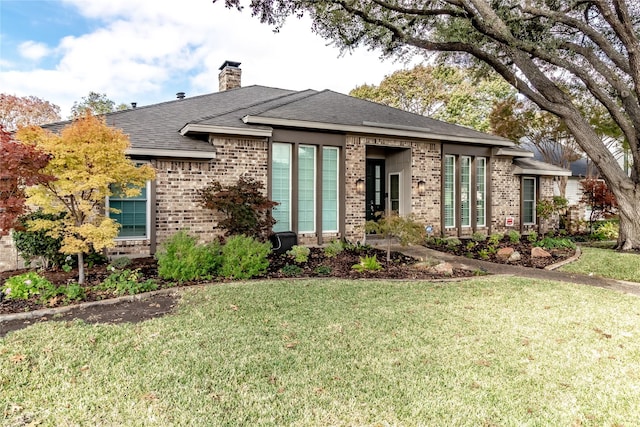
(452, 94)
(20, 111)
(95, 103)
(540, 47)
(89, 163)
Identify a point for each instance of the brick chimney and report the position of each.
(230, 75)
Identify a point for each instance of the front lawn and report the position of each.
(488, 351)
(606, 263)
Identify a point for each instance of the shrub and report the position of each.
(554, 243)
(607, 231)
(452, 242)
(532, 237)
(291, 270)
(495, 238)
(244, 207)
(470, 245)
(27, 285)
(333, 248)
(368, 263)
(514, 236)
(483, 254)
(299, 253)
(121, 263)
(37, 244)
(244, 257)
(404, 228)
(323, 270)
(128, 282)
(478, 237)
(73, 291)
(181, 258)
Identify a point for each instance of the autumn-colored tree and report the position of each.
(20, 166)
(89, 162)
(597, 195)
(452, 94)
(540, 47)
(244, 207)
(16, 111)
(95, 103)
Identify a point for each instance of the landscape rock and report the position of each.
(514, 257)
(537, 252)
(505, 253)
(443, 268)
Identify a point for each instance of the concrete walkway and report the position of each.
(426, 254)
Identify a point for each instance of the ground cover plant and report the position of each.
(486, 351)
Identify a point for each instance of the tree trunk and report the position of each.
(629, 236)
(80, 268)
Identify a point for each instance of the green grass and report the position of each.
(606, 263)
(489, 351)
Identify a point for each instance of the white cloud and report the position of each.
(146, 52)
(33, 50)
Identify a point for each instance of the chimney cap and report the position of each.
(134, 104)
(229, 64)
(180, 95)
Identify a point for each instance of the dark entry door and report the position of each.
(375, 187)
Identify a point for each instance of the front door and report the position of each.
(375, 188)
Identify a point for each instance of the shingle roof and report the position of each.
(158, 126)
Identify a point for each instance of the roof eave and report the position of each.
(185, 154)
(518, 170)
(271, 121)
(225, 130)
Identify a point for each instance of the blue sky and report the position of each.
(145, 51)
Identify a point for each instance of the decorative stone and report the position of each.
(514, 257)
(505, 253)
(443, 268)
(537, 252)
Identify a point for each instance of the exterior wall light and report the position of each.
(360, 185)
(422, 188)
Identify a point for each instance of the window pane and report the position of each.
(481, 191)
(329, 189)
(449, 191)
(394, 192)
(132, 215)
(465, 191)
(306, 189)
(281, 186)
(528, 200)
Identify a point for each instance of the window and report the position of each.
(394, 192)
(330, 181)
(465, 191)
(481, 191)
(281, 186)
(528, 200)
(133, 213)
(449, 191)
(306, 189)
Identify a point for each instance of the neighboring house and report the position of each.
(330, 160)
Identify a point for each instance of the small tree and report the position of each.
(88, 159)
(19, 167)
(404, 228)
(245, 209)
(597, 195)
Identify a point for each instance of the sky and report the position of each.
(145, 51)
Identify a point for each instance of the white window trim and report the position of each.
(337, 189)
(483, 224)
(453, 199)
(289, 220)
(315, 183)
(469, 189)
(147, 225)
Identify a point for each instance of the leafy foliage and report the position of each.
(181, 258)
(514, 236)
(291, 270)
(128, 282)
(38, 244)
(478, 237)
(20, 166)
(404, 228)
(596, 194)
(21, 111)
(333, 248)
(299, 253)
(244, 257)
(368, 263)
(95, 104)
(555, 242)
(244, 207)
(495, 238)
(89, 163)
(608, 230)
(27, 285)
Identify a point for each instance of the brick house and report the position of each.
(329, 159)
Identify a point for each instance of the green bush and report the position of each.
(73, 291)
(333, 248)
(554, 243)
(34, 244)
(181, 258)
(514, 236)
(291, 270)
(27, 285)
(483, 254)
(323, 270)
(368, 263)
(244, 257)
(606, 231)
(121, 263)
(478, 237)
(470, 245)
(128, 282)
(452, 242)
(299, 253)
(495, 238)
(532, 237)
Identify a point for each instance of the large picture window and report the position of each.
(281, 186)
(132, 214)
(330, 192)
(464, 191)
(306, 189)
(528, 200)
